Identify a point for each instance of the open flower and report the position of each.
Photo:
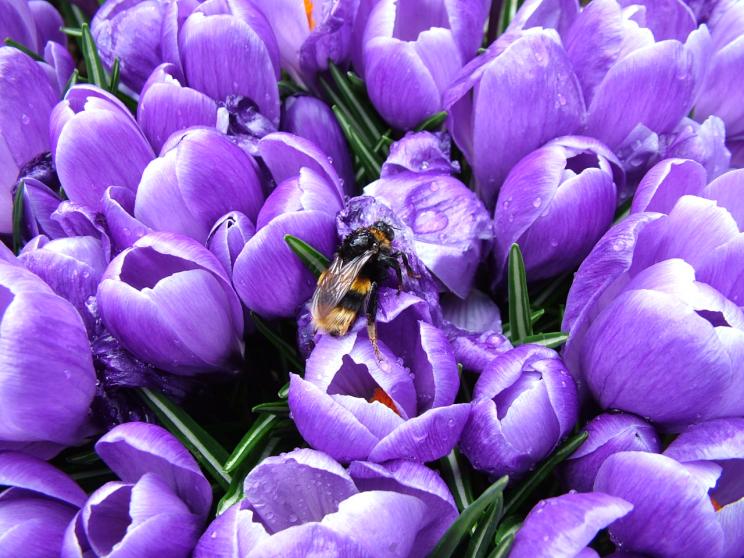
(170, 302)
(556, 203)
(354, 406)
(304, 502)
(159, 506)
(524, 403)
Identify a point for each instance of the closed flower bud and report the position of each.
(524, 403)
(170, 302)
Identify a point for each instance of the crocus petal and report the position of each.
(477, 313)
(48, 22)
(726, 190)
(231, 534)
(59, 62)
(667, 19)
(664, 66)
(326, 425)
(564, 526)
(717, 96)
(29, 473)
(293, 284)
(118, 209)
(18, 23)
(424, 438)
(672, 514)
(204, 39)
(307, 539)
(136, 448)
(228, 236)
(666, 182)
(283, 490)
(166, 106)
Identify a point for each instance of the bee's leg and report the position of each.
(407, 264)
(392, 262)
(371, 312)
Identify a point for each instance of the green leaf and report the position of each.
(15, 44)
(72, 32)
(114, 82)
(551, 340)
(367, 158)
(235, 492)
(433, 122)
(483, 537)
(96, 73)
(316, 262)
(74, 77)
(18, 205)
(519, 301)
(86, 457)
(356, 82)
(336, 100)
(462, 527)
(518, 497)
(352, 101)
(282, 346)
(283, 393)
(199, 442)
(457, 479)
(534, 317)
(502, 551)
(272, 407)
(248, 445)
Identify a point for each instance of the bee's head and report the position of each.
(385, 229)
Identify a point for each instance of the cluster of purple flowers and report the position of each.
(167, 214)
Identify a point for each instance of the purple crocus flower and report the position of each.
(420, 152)
(353, 406)
(47, 374)
(37, 506)
(450, 225)
(201, 176)
(648, 269)
(717, 94)
(228, 236)
(563, 526)
(72, 266)
(531, 80)
(304, 204)
(524, 403)
(159, 506)
(32, 24)
(704, 143)
(556, 203)
(310, 33)
(24, 122)
(312, 119)
(170, 302)
(304, 502)
(413, 50)
(609, 433)
(673, 514)
(167, 105)
(96, 143)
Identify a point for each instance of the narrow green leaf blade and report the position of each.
(18, 203)
(456, 479)
(483, 537)
(199, 442)
(353, 102)
(502, 551)
(552, 340)
(282, 346)
(96, 73)
(461, 528)
(433, 122)
(258, 431)
(519, 301)
(115, 71)
(23, 48)
(72, 32)
(336, 100)
(367, 158)
(272, 407)
(74, 77)
(283, 393)
(316, 262)
(516, 499)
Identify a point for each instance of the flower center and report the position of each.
(716, 505)
(309, 13)
(380, 396)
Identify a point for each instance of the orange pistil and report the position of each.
(309, 12)
(716, 505)
(380, 396)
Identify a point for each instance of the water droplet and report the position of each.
(424, 165)
(25, 119)
(292, 518)
(554, 243)
(213, 535)
(511, 218)
(537, 202)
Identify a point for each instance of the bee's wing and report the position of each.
(335, 283)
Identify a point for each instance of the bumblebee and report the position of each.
(351, 282)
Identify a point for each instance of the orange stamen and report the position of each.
(380, 396)
(309, 13)
(716, 505)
